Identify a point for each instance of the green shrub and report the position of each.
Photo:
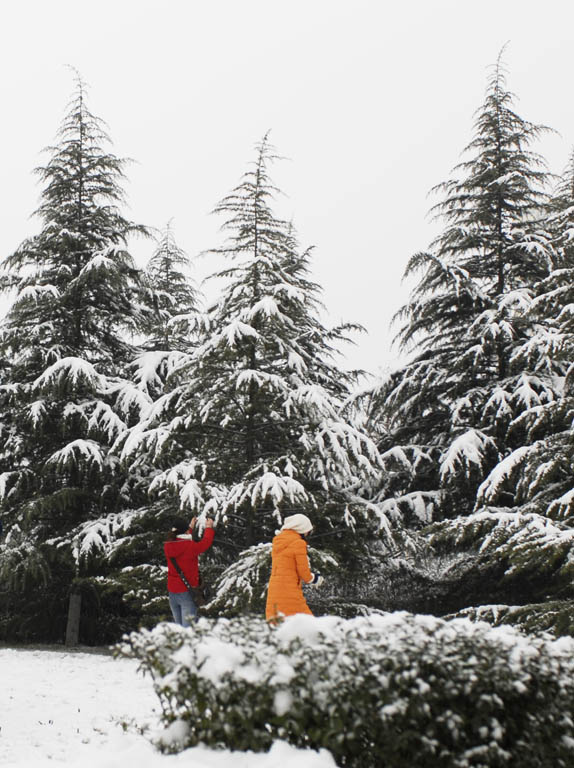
(391, 690)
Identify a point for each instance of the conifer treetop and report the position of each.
(77, 290)
(174, 296)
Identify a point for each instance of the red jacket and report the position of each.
(185, 552)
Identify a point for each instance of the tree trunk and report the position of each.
(74, 613)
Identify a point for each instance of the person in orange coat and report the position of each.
(289, 568)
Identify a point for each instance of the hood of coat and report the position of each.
(284, 540)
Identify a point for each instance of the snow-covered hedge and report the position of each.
(394, 690)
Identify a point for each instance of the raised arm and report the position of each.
(206, 540)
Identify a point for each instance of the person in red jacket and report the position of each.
(181, 546)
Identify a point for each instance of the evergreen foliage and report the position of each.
(77, 299)
(533, 554)
(252, 426)
(445, 488)
(541, 470)
(476, 427)
(449, 410)
(552, 617)
(174, 296)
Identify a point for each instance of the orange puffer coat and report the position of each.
(290, 566)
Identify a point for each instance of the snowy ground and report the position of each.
(67, 708)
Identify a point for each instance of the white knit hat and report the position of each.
(299, 523)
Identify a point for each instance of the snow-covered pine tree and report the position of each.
(252, 428)
(77, 297)
(170, 331)
(170, 334)
(173, 293)
(476, 427)
(447, 411)
(540, 469)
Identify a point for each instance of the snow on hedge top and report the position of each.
(255, 652)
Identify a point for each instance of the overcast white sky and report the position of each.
(371, 101)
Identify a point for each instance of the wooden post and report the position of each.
(74, 611)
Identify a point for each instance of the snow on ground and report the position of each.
(85, 710)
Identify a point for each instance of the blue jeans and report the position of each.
(182, 607)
